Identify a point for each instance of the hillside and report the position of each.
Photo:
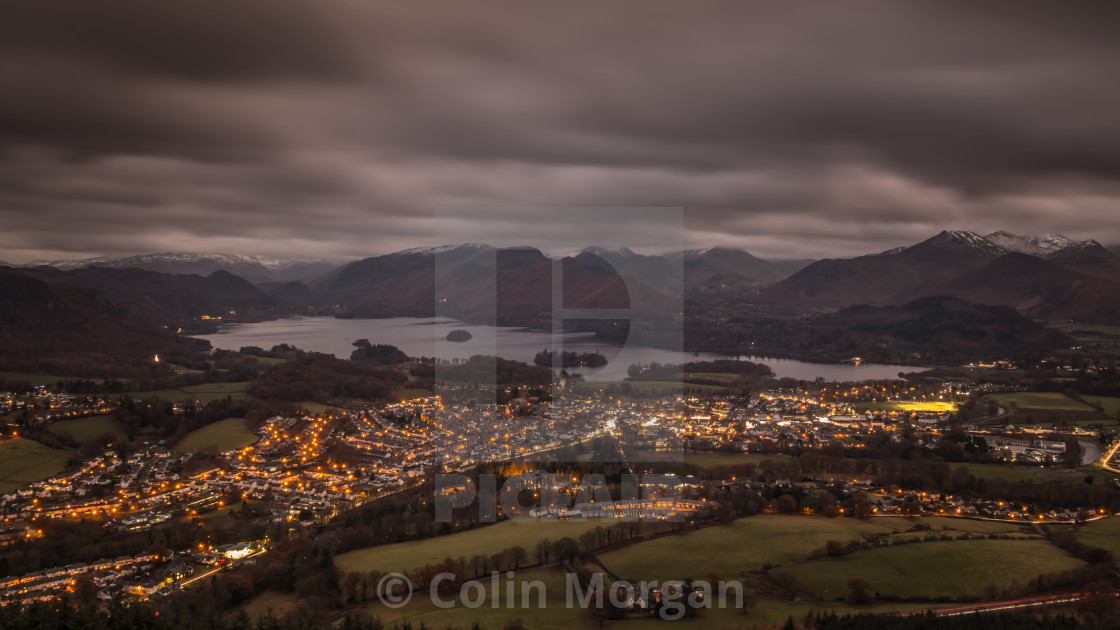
(1047, 277)
(255, 269)
(478, 283)
(54, 322)
(928, 330)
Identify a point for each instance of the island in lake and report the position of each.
(570, 359)
(459, 335)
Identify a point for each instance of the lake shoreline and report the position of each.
(426, 337)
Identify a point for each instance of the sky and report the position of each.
(340, 129)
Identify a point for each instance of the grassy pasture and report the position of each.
(84, 429)
(1037, 400)
(41, 379)
(408, 393)
(711, 460)
(275, 601)
(748, 543)
(957, 568)
(1103, 533)
(311, 406)
(225, 434)
(745, 544)
(589, 387)
(23, 461)
(486, 540)
(1110, 404)
(1048, 408)
(1001, 472)
(207, 392)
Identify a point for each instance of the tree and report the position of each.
(859, 591)
(787, 504)
(1082, 517)
(518, 556)
(351, 587)
(1072, 455)
(1102, 604)
(542, 550)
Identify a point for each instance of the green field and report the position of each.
(957, 568)
(207, 392)
(589, 387)
(1103, 533)
(1007, 472)
(1094, 337)
(719, 377)
(748, 543)
(408, 393)
(40, 379)
(745, 544)
(85, 429)
(225, 434)
(1048, 408)
(276, 602)
(311, 406)
(23, 461)
(422, 612)
(1001, 472)
(1037, 400)
(711, 460)
(742, 545)
(1110, 404)
(935, 406)
(558, 616)
(486, 540)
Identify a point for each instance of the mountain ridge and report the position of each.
(1053, 277)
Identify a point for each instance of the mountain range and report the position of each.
(115, 307)
(255, 269)
(1049, 277)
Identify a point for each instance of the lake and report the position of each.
(425, 336)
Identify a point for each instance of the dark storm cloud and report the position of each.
(342, 128)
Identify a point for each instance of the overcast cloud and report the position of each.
(347, 128)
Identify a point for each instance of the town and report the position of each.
(305, 469)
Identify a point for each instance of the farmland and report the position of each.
(202, 393)
(1048, 408)
(85, 429)
(1000, 472)
(1103, 533)
(953, 569)
(745, 544)
(225, 435)
(710, 460)
(487, 540)
(1110, 404)
(23, 461)
(644, 387)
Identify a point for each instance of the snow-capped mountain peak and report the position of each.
(252, 268)
(607, 253)
(1033, 245)
(444, 249)
(962, 240)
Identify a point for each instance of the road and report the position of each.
(1107, 457)
(1013, 604)
(194, 578)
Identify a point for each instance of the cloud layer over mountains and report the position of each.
(342, 128)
